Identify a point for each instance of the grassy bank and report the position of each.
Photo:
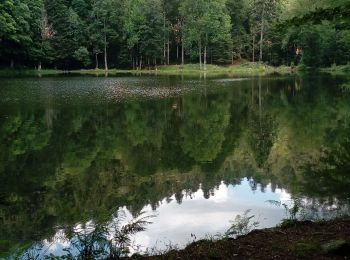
(304, 240)
(241, 68)
(247, 68)
(338, 70)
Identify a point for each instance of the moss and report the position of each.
(306, 248)
(338, 247)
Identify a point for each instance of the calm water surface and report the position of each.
(193, 152)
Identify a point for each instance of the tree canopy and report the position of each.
(146, 33)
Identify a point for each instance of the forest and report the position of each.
(76, 34)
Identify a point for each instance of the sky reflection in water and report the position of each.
(174, 223)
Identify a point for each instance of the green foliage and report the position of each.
(151, 31)
(237, 11)
(288, 223)
(261, 131)
(318, 31)
(7, 20)
(310, 42)
(203, 130)
(242, 225)
(317, 12)
(142, 33)
(82, 55)
(291, 211)
(206, 23)
(94, 241)
(304, 249)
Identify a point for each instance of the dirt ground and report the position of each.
(304, 240)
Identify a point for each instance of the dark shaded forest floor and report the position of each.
(305, 240)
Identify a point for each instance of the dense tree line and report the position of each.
(68, 34)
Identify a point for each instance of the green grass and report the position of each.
(244, 68)
(305, 248)
(338, 69)
(247, 68)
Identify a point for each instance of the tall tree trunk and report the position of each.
(96, 61)
(141, 63)
(39, 65)
(262, 34)
(105, 43)
(177, 52)
(260, 100)
(12, 63)
(200, 54)
(253, 94)
(106, 62)
(164, 44)
(205, 57)
(205, 52)
(253, 46)
(168, 60)
(182, 52)
(239, 52)
(261, 42)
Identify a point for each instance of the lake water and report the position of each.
(192, 152)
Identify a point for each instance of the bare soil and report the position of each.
(304, 240)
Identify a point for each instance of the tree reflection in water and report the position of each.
(62, 162)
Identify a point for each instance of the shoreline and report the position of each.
(193, 69)
(248, 68)
(306, 239)
(243, 69)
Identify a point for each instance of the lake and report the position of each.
(192, 152)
